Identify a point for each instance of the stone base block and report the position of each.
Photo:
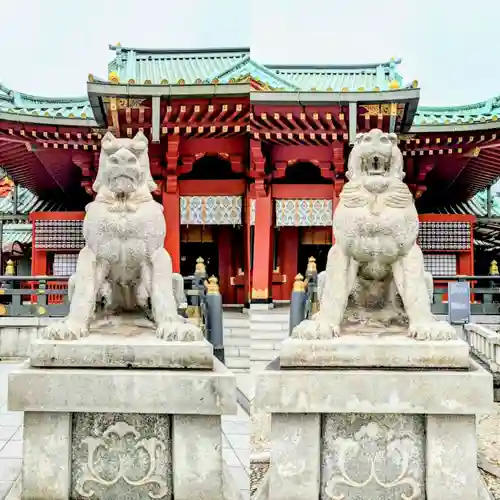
(391, 351)
(112, 351)
(109, 434)
(385, 434)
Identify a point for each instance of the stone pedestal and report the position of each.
(94, 429)
(369, 427)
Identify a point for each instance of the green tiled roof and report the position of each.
(336, 78)
(23, 104)
(481, 112)
(173, 66)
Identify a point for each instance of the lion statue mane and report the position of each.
(124, 264)
(375, 268)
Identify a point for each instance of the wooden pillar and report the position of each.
(247, 228)
(226, 268)
(171, 204)
(288, 256)
(263, 251)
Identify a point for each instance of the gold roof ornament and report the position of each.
(200, 266)
(311, 265)
(213, 285)
(414, 84)
(298, 284)
(113, 77)
(394, 85)
(494, 268)
(10, 269)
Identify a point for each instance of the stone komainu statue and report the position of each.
(375, 264)
(124, 263)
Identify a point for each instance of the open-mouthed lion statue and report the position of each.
(375, 261)
(124, 262)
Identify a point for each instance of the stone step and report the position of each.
(266, 346)
(237, 352)
(243, 322)
(256, 335)
(230, 340)
(269, 318)
(237, 363)
(264, 355)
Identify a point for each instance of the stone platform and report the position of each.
(382, 351)
(111, 351)
(373, 433)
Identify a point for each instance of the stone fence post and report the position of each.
(297, 302)
(215, 329)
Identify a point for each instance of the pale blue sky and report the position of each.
(451, 46)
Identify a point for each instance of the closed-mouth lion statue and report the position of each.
(375, 261)
(124, 261)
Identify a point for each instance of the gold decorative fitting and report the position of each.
(345, 89)
(232, 80)
(494, 268)
(147, 82)
(213, 285)
(84, 116)
(494, 118)
(311, 265)
(131, 81)
(259, 294)
(377, 89)
(3, 310)
(200, 266)
(298, 284)
(91, 78)
(394, 85)
(181, 81)
(118, 44)
(476, 152)
(42, 310)
(10, 269)
(215, 81)
(361, 89)
(164, 81)
(113, 77)
(414, 84)
(198, 81)
(329, 89)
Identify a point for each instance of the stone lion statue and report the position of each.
(375, 266)
(124, 264)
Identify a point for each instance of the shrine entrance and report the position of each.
(314, 242)
(198, 241)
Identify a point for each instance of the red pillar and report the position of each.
(172, 213)
(171, 204)
(226, 269)
(263, 250)
(248, 250)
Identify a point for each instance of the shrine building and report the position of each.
(249, 161)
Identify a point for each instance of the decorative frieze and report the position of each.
(215, 210)
(441, 264)
(303, 213)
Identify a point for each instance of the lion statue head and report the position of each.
(375, 161)
(124, 167)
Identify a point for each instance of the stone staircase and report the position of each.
(268, 328)
(237, 340)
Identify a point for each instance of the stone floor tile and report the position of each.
(13, 449)
(8, 431)
(11, 418)
(18, 436)
(239, 441)
(245, 494)
(235, 427)
(231, 458)
(244, 457)
(9, 468)
(241, 477)
(5, 487)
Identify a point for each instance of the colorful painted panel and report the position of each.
(439, 264)
(301, 212)
(59, 235)
(216, 210)
(445, 236)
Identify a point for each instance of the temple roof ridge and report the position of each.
(247, 67)
(173, 51)
(334, 67)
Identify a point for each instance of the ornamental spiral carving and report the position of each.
(372, 456)
(120, 454)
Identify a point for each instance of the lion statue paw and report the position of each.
(64, 330)
(179, 330)
(315, 330)
(437, 330)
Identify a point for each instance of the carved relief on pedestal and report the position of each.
(373, 456)
(118, 455)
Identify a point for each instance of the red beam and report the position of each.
(198, 187)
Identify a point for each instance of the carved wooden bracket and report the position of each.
(258, 163)
(172, 160)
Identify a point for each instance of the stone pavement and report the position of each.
(236, 445)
